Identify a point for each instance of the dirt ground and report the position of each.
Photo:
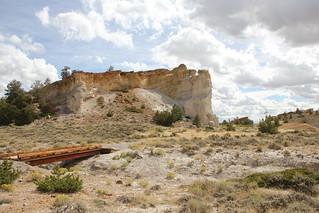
(155, 168)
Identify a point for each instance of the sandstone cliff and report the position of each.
(190, 89)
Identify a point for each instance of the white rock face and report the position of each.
(161, 88)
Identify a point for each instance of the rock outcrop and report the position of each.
(190, 89)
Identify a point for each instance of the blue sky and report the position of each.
(262, 57)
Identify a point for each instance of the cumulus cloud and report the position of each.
(43, 16)
(296, 20)
(16, 64)
(199, 48)
(268, 46)
(79, 26)
(275, 72)
(140, 14)
(25, 43)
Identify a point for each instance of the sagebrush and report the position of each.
(7, 173)
(60, 181)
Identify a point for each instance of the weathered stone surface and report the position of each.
(191, 89)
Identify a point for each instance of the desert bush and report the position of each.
(143, 183)
(207, 189)
(274, 146)
(230, 127)
(157, 152)
(70, 207)
(170, 175)
(299, 207)
(164, 118)
(286, 153)
(7, 173)
(60, 181)
(301, 180)
(189, 149)
(195, 206)
(61, 200)
(268, 126)
(5, 201)
(133, 109)
(167, 118)
(109, 114)
(202, 188)
(129, 156)
(170, 164)
(177, 113)
(7, 187)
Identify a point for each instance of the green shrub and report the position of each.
(25, 116)
(7, 173)
(167, 118)
(7, 111)
(109, 114)
(7, 187)
(46, 108)
(134, 109)
(19, 106)
(61, 200)
(230, 127)
(301, 180)
(164, 118)
(60, 181)
(5, 201)
(170, 175)
(177, 113)
(268, 126)
(195, 206)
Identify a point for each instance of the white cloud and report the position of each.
(200, 49)
(233, 69)
(15, 63)
(140, 14)
(136, 66)
(25, 43)
(43, 16)
(297, 21)
(86, 27)
(263, 45)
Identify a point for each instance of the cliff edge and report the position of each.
(190, 89)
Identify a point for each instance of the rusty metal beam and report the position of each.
(57, 154)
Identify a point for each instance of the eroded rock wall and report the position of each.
(191, 89)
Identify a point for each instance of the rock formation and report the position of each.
(190, 89)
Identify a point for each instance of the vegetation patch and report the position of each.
(7, 173)
(133, 109)
(301, 180)
(167, 118)
(21, 107)
(129, 156)
(195, 206)
(269, 125)
(60, 181)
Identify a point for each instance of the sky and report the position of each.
(263, 56)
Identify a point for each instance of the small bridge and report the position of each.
(35, 158)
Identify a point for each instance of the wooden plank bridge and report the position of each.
(57, 154)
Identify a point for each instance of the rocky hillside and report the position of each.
(308, 116)
(83, 92)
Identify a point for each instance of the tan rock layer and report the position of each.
(191, 89)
